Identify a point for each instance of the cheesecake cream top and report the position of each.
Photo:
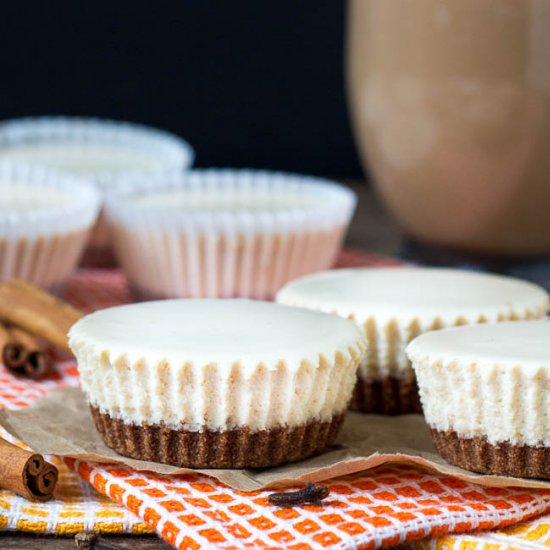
(406, 294)
(230, 199)
(224, 332)
(81, 159)
(216, 364)
(35, 201)
(21, 197)
(487, 380)
(507, 345)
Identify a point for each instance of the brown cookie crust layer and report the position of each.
(386, 396)
(478, 455)
(236, 448)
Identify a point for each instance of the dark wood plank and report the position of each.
(10, 541)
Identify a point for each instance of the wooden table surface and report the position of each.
(371, 230)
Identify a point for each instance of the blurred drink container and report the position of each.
(450, 103)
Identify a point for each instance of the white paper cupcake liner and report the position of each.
(271, 228)
(511, 395)
(394, 305)
(218, 396)
(500, 400)
(388, 339)
(389, 329)
(42, 242)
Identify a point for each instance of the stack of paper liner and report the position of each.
(61, 424)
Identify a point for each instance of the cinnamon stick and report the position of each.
(26, 473)
(35, 362)
(13, 354)
(38, 312)
(22, 353)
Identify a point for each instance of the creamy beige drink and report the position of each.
(450, 102)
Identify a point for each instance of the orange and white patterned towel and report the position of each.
(379, 508)
(384, 507)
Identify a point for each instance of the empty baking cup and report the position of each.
(227, 233)
(45, 218)
(105, 152)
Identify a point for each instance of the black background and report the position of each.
(247, 82)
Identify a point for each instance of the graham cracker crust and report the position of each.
(389, 395)
(478, 455)
(236, 448)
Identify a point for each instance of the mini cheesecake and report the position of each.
(485, 391)
(226, 233)
(394, 305)
(104, 152)
(216, 383)
(45, 218)
(101, 150)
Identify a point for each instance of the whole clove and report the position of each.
(88, 540)
(85, 540)
(312, 493)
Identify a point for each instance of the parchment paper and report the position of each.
(61, 424)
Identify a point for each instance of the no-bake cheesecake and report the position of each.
(216, 383)
(485, 391)
(394, 305)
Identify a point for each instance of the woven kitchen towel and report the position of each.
(382, 507)
(76, 506)
(529, 535)
(379, 508)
